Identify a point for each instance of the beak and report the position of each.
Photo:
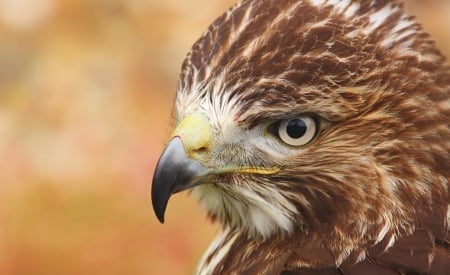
(177, 168)
(174, 172)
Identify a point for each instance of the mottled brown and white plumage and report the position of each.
(369, 194)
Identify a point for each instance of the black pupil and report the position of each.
(296, 128)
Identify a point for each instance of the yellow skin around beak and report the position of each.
(180, 165)
(196, 134)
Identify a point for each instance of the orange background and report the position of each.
(85, 98)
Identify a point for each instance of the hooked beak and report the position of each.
(174, 172)
(178, 168)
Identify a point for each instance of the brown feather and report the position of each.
(370, 195)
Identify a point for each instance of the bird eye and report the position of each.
(296, 131)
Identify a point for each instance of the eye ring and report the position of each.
(297, 131)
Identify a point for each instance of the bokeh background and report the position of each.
(85, 98)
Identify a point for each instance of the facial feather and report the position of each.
(378, 169)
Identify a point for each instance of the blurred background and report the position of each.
(86, 88)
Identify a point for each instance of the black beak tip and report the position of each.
(159, 212)
(160, 216)
(159, 202)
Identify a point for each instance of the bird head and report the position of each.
(311, 117)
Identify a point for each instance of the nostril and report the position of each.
(199, 153)
(202, 149)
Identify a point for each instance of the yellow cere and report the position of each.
(196, 134)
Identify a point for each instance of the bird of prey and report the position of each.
(316, 134)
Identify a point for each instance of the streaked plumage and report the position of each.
(369, 191)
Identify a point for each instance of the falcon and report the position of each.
(316, 134)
